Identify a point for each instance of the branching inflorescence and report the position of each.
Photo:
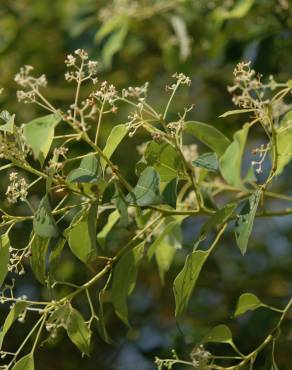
(174, 182)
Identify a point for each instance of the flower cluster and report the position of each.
(182, 79)
(200, 357)
(80, 67)
(139, 92)
(18, 188)
(30, 84)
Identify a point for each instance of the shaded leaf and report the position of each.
(55, 256)
(39, 133)
(244, 224)
(246, 302)
(14, 313)
(124, 280)
(164, 255)
(111, 221)
(169, 193)
(185, 281)
(4, 256)
(146, 192)
(82, 234)
(208, 161)
(78, 331)
(39, 249)
(231, 160)
(44, 224)
(218, 218)
(208, 135)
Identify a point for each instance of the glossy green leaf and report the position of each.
(14, 313)
(25, 363)
(114, 139)
(219, 334)
(82, 234)
(146, 192)
(39, 134)
(165, 160)
(209, 161)
(246, 302)
(9, 122)
(44, 224)
(4, 256)
(284, 148)
(39, 249)
(244, 224)
(124, 280)
(87, 170)
(185, 281)
(208, 135)
(231, 160)
(78, 331)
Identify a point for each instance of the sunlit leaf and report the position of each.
(185, 281)
(284, 148)
(244, 223)
(208, 135)
(114, 139)
(39, 134)
(25, 363)
(219, 334)
(9, 121)
(231, 160)
(235, 111)
(4, 256)
(82, 234)
(246, 302)
(87, 170)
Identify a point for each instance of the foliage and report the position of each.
(81, 197)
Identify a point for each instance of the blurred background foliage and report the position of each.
(148, 40)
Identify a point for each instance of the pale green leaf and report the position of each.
(78, 331)
(284, 148)
(82, 234)
(246, 302)
(44, 224)
(4, 256)
(87, 170)
(244, 223)
(181, 32)
(219, 334)
(185, 281)
(114, 139)
(114, 44)
(39, 134)
(124, 280)
(25, 363)
(208, 135)
(9, 121)
(231, 160)
(164, 255)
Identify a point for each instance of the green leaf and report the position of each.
(235, 111)
(169, 193)
(111, 221)
(114, 44)
(101, 325)
(114, 139)
(219, 334)
(208, 161)
(82, 234)
(25, 363)
(4, 256)
(146, 192)
(44, 224)
(244, 224)
(208, 135)
(218, 218)
(55, 256)
(246, 302)
(124, 280)
(181, 32)
(39, 134)
(78, 331)
(185, 281)
(109, 26)
(240, 10)
(14, 313)
(165, 160)
(164, 255)
(284, 147)
(9, 122)
(87, 170)
(39, 249)
(231, 160)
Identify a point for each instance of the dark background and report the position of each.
(207, 46)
